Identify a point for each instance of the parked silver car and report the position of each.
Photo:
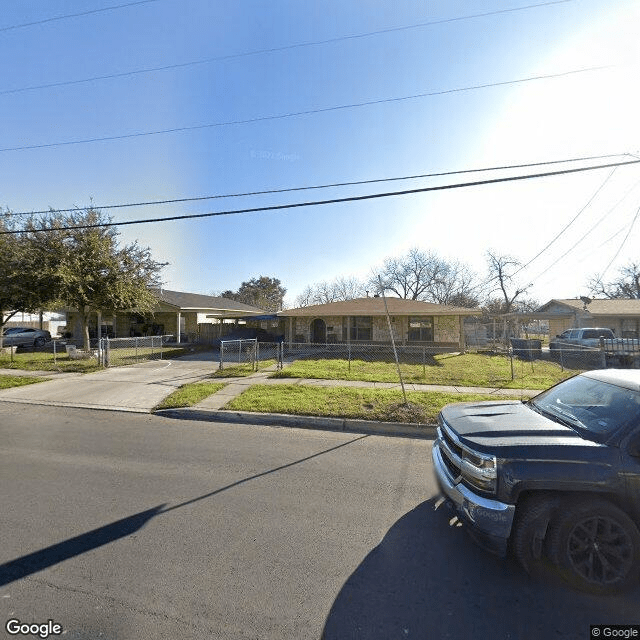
(25, 336)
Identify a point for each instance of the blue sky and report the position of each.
(582, 114)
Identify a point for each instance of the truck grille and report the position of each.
(451, 450)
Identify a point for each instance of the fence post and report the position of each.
(221, 367)
(513, 377)
(349, 355)
(424, 362)
(107, 354)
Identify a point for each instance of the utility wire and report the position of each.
(608, 213)
(557, 237)
(633, 222)
(75, 15)
(295, 205)
(320, 186)
(257, 52)
(307, 112)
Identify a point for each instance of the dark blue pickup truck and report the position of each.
(555, 479)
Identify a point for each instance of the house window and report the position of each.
(361, 327)
(421, 328)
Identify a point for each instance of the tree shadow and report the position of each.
(44, 558)
(40, 560)
(428, 579)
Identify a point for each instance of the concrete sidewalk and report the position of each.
(219, 399)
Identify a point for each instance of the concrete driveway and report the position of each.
(133, 388)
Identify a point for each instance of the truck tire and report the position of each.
(530, 530)
(596, 547)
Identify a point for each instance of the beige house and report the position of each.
(175, 309)
(365, 320)
(622, 316)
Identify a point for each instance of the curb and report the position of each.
(397, 429)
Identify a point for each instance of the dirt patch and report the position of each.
(410, 412)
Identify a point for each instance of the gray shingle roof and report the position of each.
(601, 307)
(198, 302)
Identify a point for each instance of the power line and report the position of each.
(633, 222)
(256, 52)
(320, 186)
(608, 213)
(75, 15)
(593, 197)
(295, 205)
(307, 112)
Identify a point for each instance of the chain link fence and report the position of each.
(249, 353)
(114, 352)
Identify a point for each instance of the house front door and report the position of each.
(318, 330)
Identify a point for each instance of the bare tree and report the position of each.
(423, 275)
(501, 274)
(411, 276)
(626, 285)
(331, 291)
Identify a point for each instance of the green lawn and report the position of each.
(189, 394)
(44, 361)
(466, 370)
(241, 370)
(349, 402)
(6, 382)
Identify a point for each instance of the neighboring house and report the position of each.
(174, 309)
(622, 316)
(364, 320)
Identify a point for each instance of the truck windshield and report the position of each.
(594, 408)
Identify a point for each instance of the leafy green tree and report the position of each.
(21, 288)
(80, 261)
(263, 292)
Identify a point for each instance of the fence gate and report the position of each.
(115, 352)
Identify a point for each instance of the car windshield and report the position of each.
(594, 408)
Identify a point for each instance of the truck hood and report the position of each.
(491, 426)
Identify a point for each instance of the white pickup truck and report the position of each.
(587, 337)
(623, 352)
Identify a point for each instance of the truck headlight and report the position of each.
(479, 470)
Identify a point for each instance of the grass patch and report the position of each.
(467, 370)
(189, 394)
(43, 361)
(6, 382)
(241, 370)
(347, 402)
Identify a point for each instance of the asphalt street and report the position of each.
(124, 525)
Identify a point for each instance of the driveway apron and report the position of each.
(136, 388)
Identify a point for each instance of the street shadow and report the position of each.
(39, 560)
(44, 558)
(428, 579)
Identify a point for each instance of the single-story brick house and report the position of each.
(174, 309)
(364, 320)
(622, 316)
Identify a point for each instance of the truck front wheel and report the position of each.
(596, 547)
(530, 530)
